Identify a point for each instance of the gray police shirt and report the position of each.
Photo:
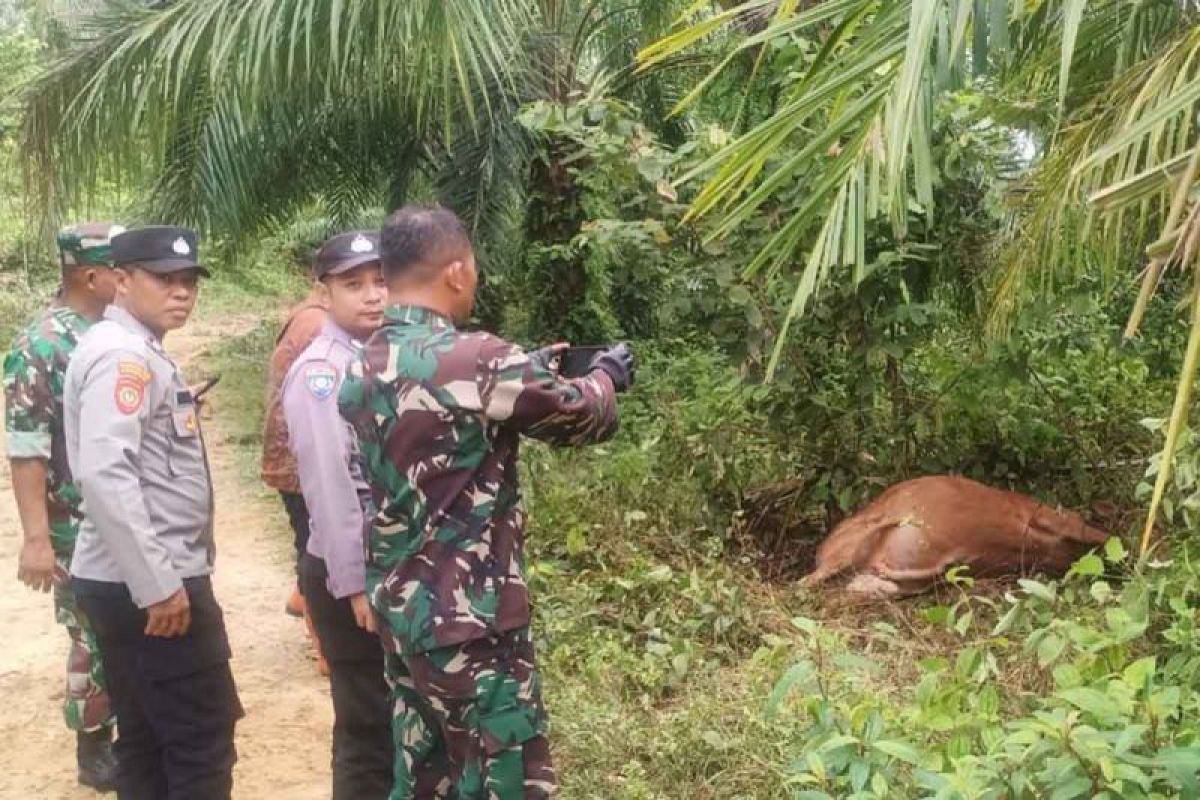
(327, 459)
(137, 454)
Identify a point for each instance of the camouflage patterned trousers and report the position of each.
(86, 705)
(468, 721)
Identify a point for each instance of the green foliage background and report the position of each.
(682, 659)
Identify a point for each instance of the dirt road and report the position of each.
(283, 743)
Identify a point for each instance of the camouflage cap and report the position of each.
(88, 243)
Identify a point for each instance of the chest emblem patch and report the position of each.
(321, 380)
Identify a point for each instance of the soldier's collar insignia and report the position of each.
(361, 244)
(181, 247)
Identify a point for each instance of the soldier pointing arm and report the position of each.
(439, 414)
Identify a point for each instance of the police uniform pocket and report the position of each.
(185, 457)
(162, 658)
(204, 645)
(186, 449)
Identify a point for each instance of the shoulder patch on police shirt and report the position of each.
(321, 379)
(130, 391)
(134, 369)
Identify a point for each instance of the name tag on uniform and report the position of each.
(184, 415)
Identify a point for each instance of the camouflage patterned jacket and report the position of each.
(439, 414)
(33, 393)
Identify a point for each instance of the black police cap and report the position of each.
(160, 249)
(345, 252)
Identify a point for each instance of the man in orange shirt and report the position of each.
(304, 323)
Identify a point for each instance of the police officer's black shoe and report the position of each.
(97, 763)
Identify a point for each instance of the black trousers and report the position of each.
(362, 711)
(175, 699)
(297, 511)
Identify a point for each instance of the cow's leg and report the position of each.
(908, 560)
(850, 546)
(873, 586)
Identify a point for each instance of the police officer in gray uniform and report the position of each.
(333, 567)
(145, 551)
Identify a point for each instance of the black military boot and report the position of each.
(97, 764)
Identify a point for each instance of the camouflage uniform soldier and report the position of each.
(48, 500)
(439, 414)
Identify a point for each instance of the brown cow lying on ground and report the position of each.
(906, 539)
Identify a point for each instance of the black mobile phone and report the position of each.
(204, 387)
(575, 362)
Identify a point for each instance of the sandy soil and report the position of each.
(283, 743)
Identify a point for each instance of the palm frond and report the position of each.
(863, 106)
(1136, 155)
(859, 119)
(482, 175)
(124, 99)
(1141, 122)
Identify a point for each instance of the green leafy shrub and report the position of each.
(1083, 687)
